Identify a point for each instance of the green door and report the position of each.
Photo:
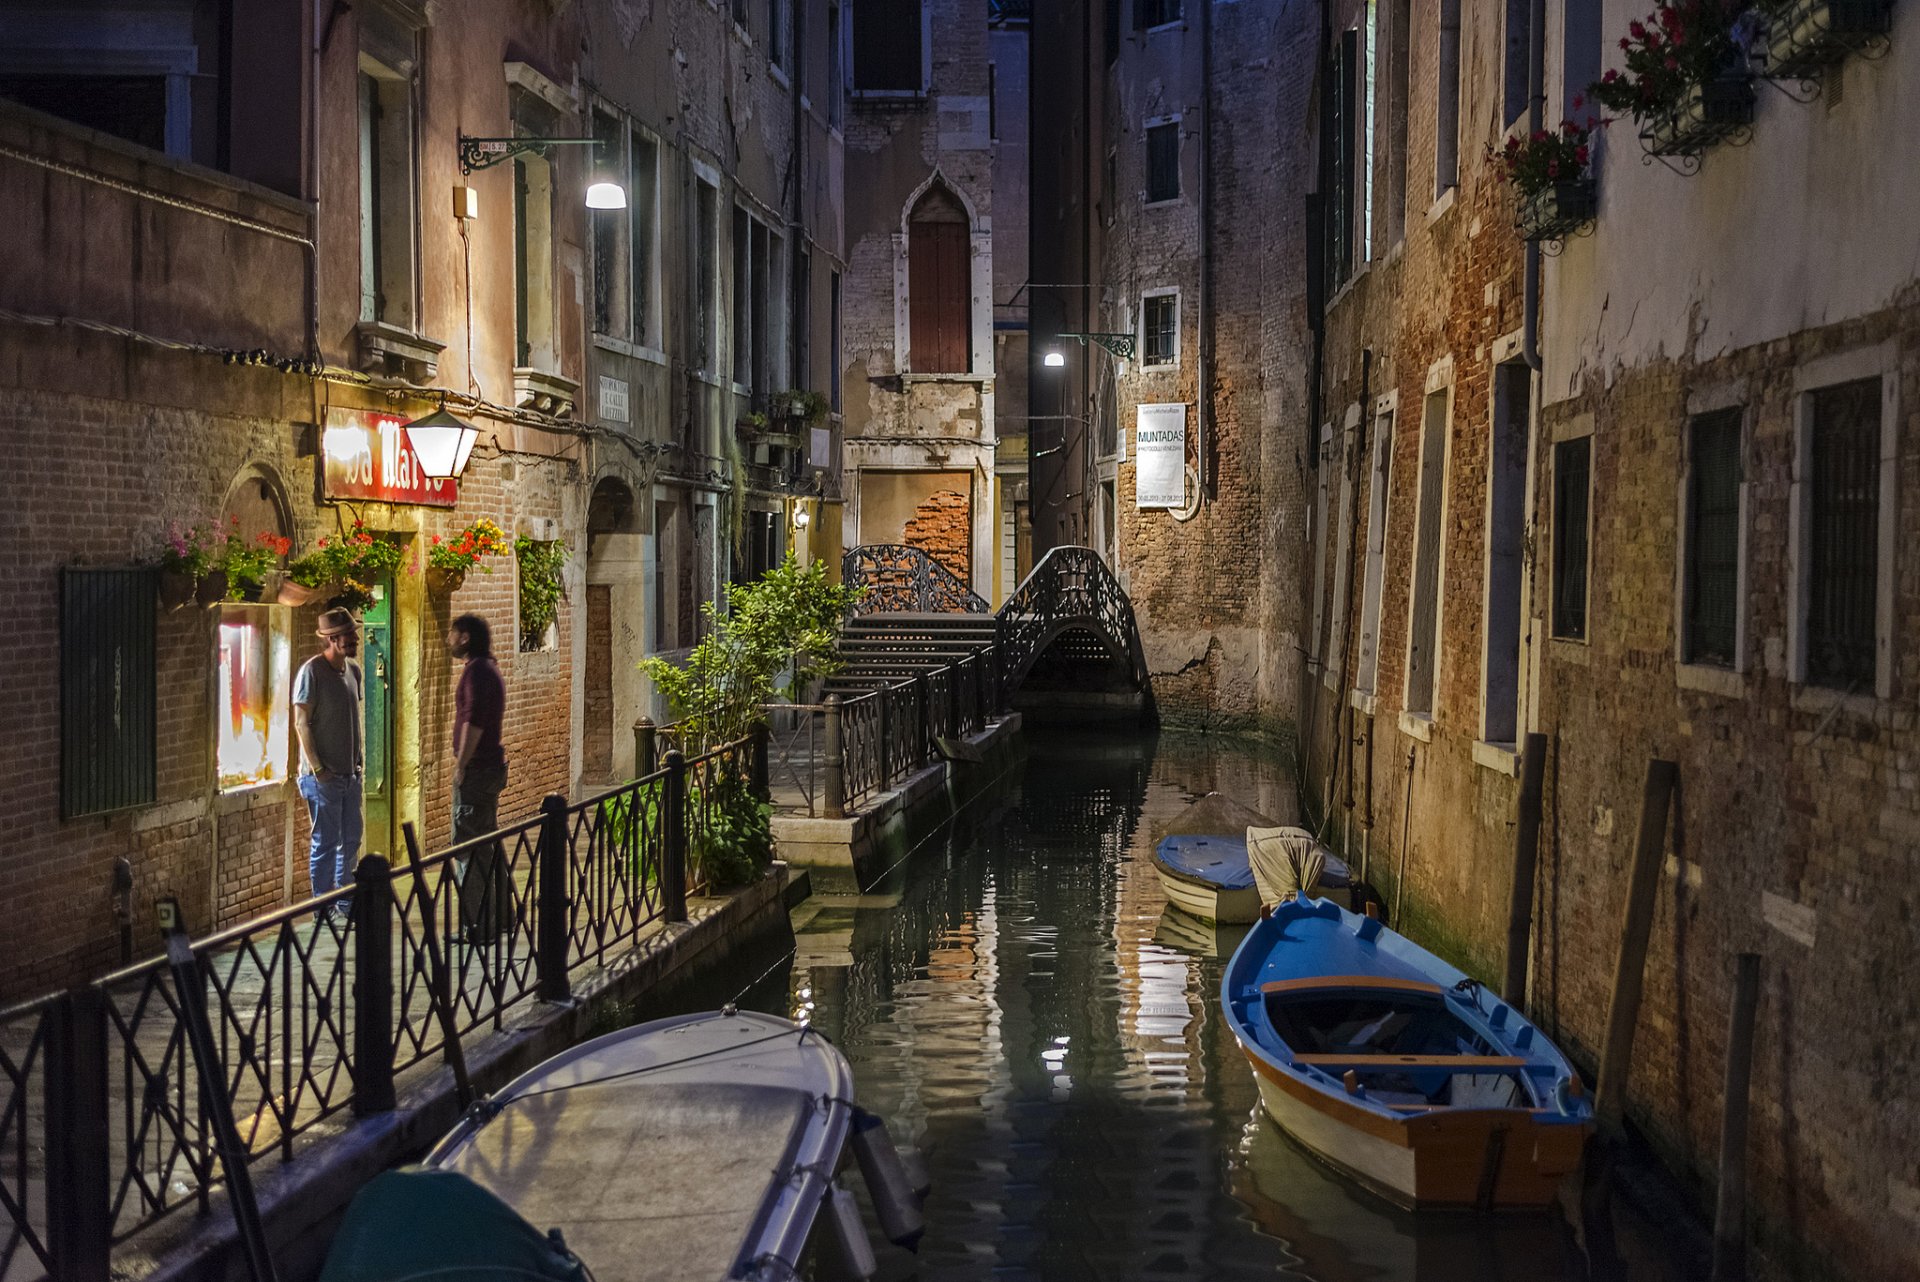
(377, 660)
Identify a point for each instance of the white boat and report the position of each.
(700, 1147)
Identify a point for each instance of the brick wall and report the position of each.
(940, 527)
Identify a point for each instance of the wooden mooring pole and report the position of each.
(1730, 1210)
(1629, 971)
(1526, 856)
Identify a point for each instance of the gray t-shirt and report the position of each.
(333, 699)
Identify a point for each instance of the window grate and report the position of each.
(1713, 538)
(1572, 467)
(1844, 535)
(107, 704)
(1159, 325)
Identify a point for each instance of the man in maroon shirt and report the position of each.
(479, 775)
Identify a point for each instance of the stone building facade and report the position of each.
(920, 354)
(248, 273)
(1169, 208)
(1684, 533)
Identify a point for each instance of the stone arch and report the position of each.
(258, 497)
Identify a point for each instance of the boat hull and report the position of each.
(1442, 1161)
(1210, 903)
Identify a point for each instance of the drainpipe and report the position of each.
(1203, 419)
(1537, 108)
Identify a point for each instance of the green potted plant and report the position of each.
(1805, 36)
(541, 587)
(343, 568)
(1685, 81)
(250, 565)
(1551, 178)
(448, 560)
(190, 555)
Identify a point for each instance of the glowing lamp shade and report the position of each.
(1054, 360)
(606, 195)
(442, 443)
(800, 518)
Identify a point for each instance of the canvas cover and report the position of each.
(421, 1223)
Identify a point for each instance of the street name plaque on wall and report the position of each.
(371, 459)
(1160, 456)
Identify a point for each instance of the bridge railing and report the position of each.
(899, 577)
(316, 1007)
(1071, 587)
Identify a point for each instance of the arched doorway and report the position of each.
(614, 631)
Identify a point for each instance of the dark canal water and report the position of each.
(1018, 1002)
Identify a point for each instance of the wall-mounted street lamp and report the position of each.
(442, 443)
(479, 153)
(1117, 345)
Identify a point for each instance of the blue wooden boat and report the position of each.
(1398, 1069)
(1209, 878)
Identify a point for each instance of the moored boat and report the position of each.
(1208, 878)
(699, 1147)
(1398, 1069)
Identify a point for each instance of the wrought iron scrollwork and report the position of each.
(1070, 588)
(902, 578)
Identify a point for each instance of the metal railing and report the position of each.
(901, 577)
(314, 1011)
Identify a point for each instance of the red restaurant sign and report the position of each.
(374, 461)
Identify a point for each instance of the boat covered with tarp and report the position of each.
(699, 1147)
(1398, 1069)
(1206, 868)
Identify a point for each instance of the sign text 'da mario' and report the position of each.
(374, 461)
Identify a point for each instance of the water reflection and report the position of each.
(1019, 1002)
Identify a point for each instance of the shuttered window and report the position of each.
(1423, 652)
(1155, 13)
(886, 48)
(1163, 161)
(1713, 538)
(1844, 535)
(1572, 468)
(106, 691)
(939, 282)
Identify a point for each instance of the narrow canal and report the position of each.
(1018, 1002)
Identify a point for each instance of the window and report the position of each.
(1579, 56)
(836, 81)
(1342, 553)
(666, 573)
(1377, 493)
(533, 263)
(1160, 329)
(1399, 37)
(1112, 30)
(1163, 161)
(993, 103)
(1842, 595)
(889, 49)
(939, 285)
(1710, 586)
(386, 197)
(251, 738)
(1572, 462)
(1339, 142)
(1368, 88)
(777, 32)
(1519, 48)
(706, 276)
(1155, 13)
(1506, 552)
(1423, 637)
(107, 703)
(740, 14)
(759, 300)
(1323, 470)
(742, 297)
(800, 320)
(1446, 116)
(623, 239)
(759, 549)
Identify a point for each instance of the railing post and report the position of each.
(884, 775)
(550, 913)
(79, 1154)
(922, 714)
(834, 785)
(999, 663)
(644, 749)
(372, 987)
(673, 828)
(979, 662)
(759, 780)
(953, 700)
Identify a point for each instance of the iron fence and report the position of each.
(316, 1007)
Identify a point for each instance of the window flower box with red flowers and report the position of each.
(1804, 37)
(1685, 81)
(1551, 176)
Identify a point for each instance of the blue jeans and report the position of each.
(334, 850)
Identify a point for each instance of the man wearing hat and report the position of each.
(327, 695)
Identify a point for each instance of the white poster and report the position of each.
(1160, 456)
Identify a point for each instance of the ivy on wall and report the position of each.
(541, 587)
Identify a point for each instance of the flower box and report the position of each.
(211, 588)
(176, 589)
(1708, 113)
(1805, 36)
(297, 594)
(1556, 211)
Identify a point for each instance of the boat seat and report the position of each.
(1346, 983)
(1452, 1063)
